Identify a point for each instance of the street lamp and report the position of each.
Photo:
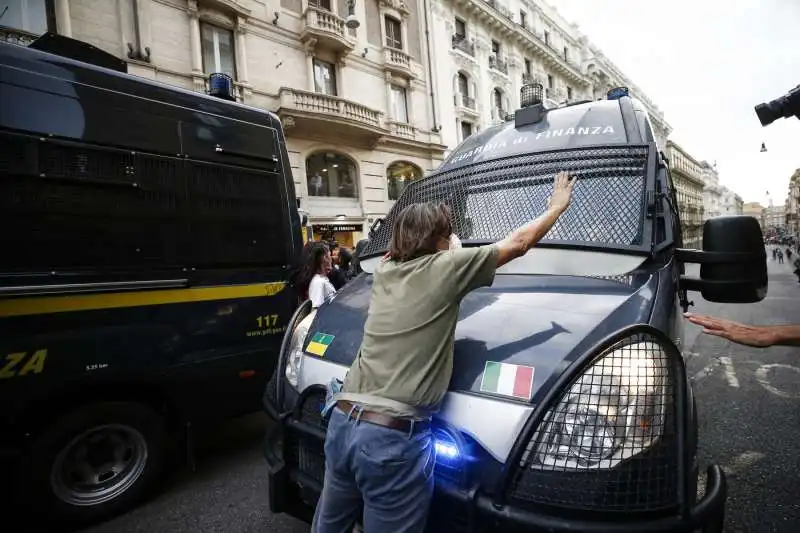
(351, 21)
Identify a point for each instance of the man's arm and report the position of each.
(759, 336)
(518, 242)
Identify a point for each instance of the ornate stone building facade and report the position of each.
(486, 50)
(356, 103)
(793, 206)
(687, 179)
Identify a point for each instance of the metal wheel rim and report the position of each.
(76, 481)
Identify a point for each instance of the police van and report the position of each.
(569, 407)
(147, 235)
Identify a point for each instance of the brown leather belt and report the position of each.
(391, 422)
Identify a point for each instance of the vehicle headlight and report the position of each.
(294, 360)
(613, 411)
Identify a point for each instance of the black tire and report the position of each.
(135, 422)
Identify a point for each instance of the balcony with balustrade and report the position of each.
(397, 62)
(465, 106)
(326, 30)
(462, 44)
(499, 64)
(308, 113)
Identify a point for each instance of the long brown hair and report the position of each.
(417, 229)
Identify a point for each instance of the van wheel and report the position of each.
(97, 461)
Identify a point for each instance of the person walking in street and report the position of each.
(759, 336)
(378, 446)
(789, 254)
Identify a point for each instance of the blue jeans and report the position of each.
(388, 470)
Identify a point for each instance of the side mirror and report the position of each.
(733, 262)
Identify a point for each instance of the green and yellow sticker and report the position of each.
(319, 343)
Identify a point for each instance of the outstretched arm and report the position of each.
(518, 242)
(759, 336)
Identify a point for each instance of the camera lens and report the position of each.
(770, 112)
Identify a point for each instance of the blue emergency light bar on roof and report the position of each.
(617, 92)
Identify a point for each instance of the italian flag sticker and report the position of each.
(508, 380)
(319, 343)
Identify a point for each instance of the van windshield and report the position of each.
(491, 199)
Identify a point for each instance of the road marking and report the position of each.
(704, 373)
(742, 462)
(730, 373)
(762, 377)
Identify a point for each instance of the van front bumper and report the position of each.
(294, 453)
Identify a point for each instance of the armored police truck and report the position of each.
(569, 407)
(146, 237)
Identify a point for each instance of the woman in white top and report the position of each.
(314, 275)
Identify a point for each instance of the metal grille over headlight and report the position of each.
(609, 441)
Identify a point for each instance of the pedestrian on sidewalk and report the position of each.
(378, 445)
(758, 336)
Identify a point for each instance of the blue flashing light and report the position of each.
(446, 449)
(446, 445)
(617, 92)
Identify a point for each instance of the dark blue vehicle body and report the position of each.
(570, 302)
(577, 298)
(147, 234)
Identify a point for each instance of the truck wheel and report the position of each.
(97, 461)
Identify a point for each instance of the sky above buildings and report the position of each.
(706, 64)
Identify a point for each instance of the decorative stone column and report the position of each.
(241, 53)
(198, 78)
(309, 46)
(410, 103)
(63, 20)
(389, 108)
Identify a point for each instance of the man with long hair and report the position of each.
(378, 447)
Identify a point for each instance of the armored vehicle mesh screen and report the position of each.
(492, 198)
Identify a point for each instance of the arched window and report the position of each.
(499, 104)
(331, 174)
(463, 84)
(463, 91)
(399, 175)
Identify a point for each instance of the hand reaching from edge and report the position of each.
(733, 331)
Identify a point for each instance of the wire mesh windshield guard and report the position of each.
(612, 439)
(492, 198)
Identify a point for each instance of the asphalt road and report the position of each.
(749, 423)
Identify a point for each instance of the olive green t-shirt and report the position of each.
(406, 356)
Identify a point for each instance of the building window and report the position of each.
(528, 67)
(463, 84)
(496, 49)
(332, 175)
(497, 101)
(466, 129)
(30, 16)
(566, 54)
(320, 4)
(551, 84)
(324, 77)
(546, 37)
(394, 38)
(461, 29)
(217, 50)
(400, 175)
(569, 92)
(523, 19)
(399, 104)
